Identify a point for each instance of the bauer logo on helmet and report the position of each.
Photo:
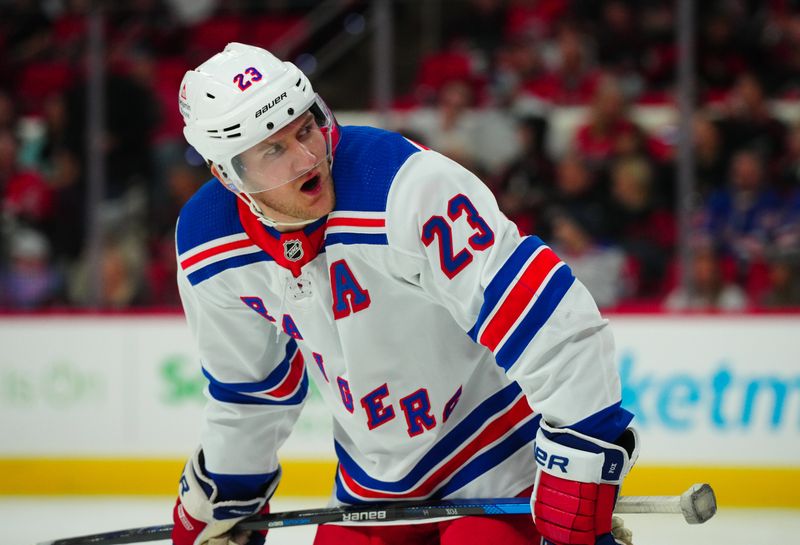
(270, 104)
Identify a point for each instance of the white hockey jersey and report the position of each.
(436, 334)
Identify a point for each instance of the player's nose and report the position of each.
(303, 157)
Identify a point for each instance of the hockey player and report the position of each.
(457, 358)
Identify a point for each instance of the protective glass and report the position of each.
(290, 154)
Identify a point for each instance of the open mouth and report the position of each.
(311, 186)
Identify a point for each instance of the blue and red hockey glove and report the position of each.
(199, 518)
(577, 484)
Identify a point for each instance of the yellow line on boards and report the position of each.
(734, 486)
(137, 477)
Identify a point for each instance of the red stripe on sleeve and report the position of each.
(518, 298)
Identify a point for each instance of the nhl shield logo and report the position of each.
(293, 250)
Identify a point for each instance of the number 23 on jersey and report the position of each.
(440, 229)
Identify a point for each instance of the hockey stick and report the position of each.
(697, 505)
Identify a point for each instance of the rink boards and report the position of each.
(112, 405)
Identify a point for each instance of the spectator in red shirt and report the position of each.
(574, 79)
(608, 122)
(519, 65)
(535, 17)
(24, 194)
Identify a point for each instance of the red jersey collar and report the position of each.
(289, 250)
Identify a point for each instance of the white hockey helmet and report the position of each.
(237, 99)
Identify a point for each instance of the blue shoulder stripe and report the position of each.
(210, 214)
(366, 162)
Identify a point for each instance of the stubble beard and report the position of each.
(288, 211)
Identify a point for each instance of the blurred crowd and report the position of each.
(601, 190)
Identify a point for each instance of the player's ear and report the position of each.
(220, 178)
(215, 172)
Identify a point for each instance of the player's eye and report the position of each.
(272, 151)
(306, 129)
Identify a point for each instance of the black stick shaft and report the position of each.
(404, 511)
(698, 504)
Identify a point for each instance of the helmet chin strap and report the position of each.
(269, 222)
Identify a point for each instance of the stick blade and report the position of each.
(698, 504)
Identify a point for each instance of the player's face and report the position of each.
(297, 157)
